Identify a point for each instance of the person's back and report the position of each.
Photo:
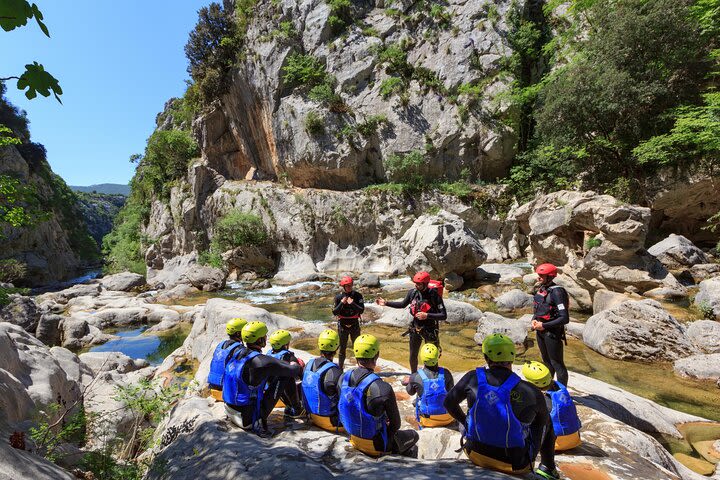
(224, 351)
(289, 397)
(431, 385)
(507, 417)
(320, 384)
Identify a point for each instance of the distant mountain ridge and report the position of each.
(106, 188)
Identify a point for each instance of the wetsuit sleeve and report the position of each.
(437, 303)
(456, 396)
(330, 382)
(359, 303)
(338, 306)
(541, 427)
(449, 380)
(263, 366)
(413, 386)
(559, 297)
(402, 303)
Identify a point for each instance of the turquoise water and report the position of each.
(152, 347)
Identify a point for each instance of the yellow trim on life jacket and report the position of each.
(367, 446)
(436, 420)
(566, 442)
(325, 423)
(279, 404)
(216, 394)
(487, 462)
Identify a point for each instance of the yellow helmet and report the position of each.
(498, 348)
(329, 341)
(366, 346)
(254, 331)
(429, 354)
(235, 326)
(537, 374)
(279, 339)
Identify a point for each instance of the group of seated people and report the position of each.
(507, 423)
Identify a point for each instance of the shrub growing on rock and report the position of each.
(11, 270)
(314, 123)
(303, 70)
(238, 229)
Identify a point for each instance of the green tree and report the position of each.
(15, 14)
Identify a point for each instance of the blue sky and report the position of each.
(117, 63)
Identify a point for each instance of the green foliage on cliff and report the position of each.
(303, 70)
(239, 229)
(122, 246)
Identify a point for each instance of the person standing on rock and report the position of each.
(549, 319)
(563, 413)
(248, 397)
(507, 418)
(280, 349)
(320, 384)
(349, 305)
(427, 310)
(368, 408)
(431, 385)
(223, 353)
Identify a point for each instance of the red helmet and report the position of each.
(346, 281)
(421, 277)
(547, 269)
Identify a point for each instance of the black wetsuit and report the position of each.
(289, 390)
(429, 329)
(416, 383)
(379, 399)
(551, 308)
(348, 320)
(329, 383)
(528, 405)
(260, 368)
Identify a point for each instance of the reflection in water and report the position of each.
(151, 347)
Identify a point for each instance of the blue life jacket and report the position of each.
(433, 396)
(278, 355)
(491, 420)
(219, 362)
(316, 401)
(235, 391)
(564, 414)
(353, 414)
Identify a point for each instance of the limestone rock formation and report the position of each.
(205, 278)
(499, 273)
(705, 334)
(21, 311)
(702, 366)
(597, 239)
(637, 330)
(677, 251)
(514, 300)
(708, 298)
(516, 329)
(122, 282)
(458, 312)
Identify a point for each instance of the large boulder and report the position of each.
(48, 329)
(21, 311)
(515, 299)
(208, 279)
(457, 312)
(597, 239)
(441, 244)
(515, 328)
(371, 280)
(703, 366)
(122, 282)
(499, 273)
(705, 334)
(677, 252)
(638, 330)
(605, 299)
(580, 298)
(111, 361)
(708, 297)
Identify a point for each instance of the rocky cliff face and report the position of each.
(99, 211)
(426, 78)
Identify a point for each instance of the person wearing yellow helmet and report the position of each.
(253, 382)
(565, 420)
(289, 396)
(368, 409)
(223, 352)
(506, 416)
(319, 384)
(431, 384)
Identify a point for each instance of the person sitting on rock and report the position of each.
(427, 310)
(289, 396)
(550, 316)
(320, 384)
(507, 417)
(368, 409)
(349, 305)
(223, 352)
(431, 385)
(248, 402)
(563, 413)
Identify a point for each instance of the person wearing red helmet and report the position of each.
(549, 319)
(427, 310)
(349, 305)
